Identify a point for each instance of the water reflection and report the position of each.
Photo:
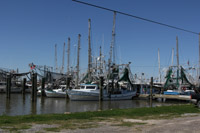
(23, 105)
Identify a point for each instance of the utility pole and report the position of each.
(89, 50)
(159, 65)
(63, 60)
(78, 55)
(56, 65)
(177, 55)
(68, 56)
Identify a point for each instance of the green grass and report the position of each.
(129, 124)
(17, 127)
(53, 129)
(90, 119)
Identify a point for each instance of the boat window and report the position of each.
(2, 83)
(90, 87)
(82, 87)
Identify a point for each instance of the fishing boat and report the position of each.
(90, 92)
(56, 93)
(14, 88)
(117, 84)
(121, 89)
(84, 92)
(2, 86)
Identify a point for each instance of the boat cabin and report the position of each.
(88, 87)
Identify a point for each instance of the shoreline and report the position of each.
(89, 121)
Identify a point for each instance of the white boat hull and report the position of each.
(125, 96)
(55, 94)
(94, 96)
(12, 90)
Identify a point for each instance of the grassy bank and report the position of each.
(88, 119)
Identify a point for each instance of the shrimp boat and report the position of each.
(117, 90)
(90, 92)
(56, 93)
(115, 86)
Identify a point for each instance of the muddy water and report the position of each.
(19, 105)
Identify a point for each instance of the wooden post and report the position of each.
(151, 95)
(162, 90)
(34, 87)
(8, 85)
(67, 86)
(24, 86)
(43, 87)
(101, 89)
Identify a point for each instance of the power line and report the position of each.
(144, 19)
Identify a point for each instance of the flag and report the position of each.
(188, 63)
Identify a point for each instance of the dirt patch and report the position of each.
(38, 128)
(184, 124)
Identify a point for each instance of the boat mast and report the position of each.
(177, 55)
(101, 67)
(112, 46)
(63, 59)
(112, 53)
(89, 50)
(199, 62)
(68, 56)
(113, 37)
(56, 65)
(172, 56)
(78, 54)
(159, 65)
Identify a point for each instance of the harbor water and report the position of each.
(19, 105)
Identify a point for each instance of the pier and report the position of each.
(162, 96)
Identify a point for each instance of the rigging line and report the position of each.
(144, 19)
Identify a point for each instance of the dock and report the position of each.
(175, 97)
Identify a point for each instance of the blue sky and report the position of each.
(30, 29)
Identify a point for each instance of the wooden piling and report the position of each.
(43, 87)
(8, 85)
(101, 89)
(34, 87)
(162, 90)
(24, 86)
(67, 86)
